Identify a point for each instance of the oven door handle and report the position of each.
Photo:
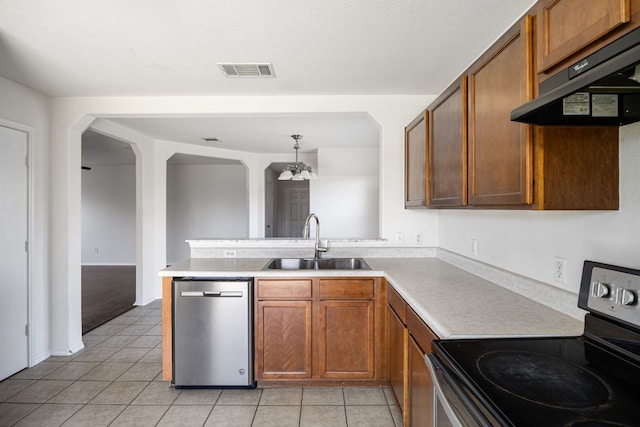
(435, 369)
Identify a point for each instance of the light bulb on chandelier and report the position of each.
(297, 171)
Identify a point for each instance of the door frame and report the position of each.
(30, 131)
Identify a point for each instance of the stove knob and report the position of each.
(625, 297)
(600, 290)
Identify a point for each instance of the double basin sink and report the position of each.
(317, 264)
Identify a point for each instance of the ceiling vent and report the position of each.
(247, 70)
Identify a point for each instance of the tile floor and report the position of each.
(116, 381)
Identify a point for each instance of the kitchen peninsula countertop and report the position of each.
(453, 302)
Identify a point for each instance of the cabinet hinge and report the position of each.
(26, 161)
(26, 246)
(26, 330)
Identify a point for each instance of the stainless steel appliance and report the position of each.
(212, 332)
(600, 89)
(589, 380)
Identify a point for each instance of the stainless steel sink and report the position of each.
(317, 264)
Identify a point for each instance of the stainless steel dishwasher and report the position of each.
(212, 332)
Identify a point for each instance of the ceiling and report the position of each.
(172, 47)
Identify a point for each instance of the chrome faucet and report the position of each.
(305, 235)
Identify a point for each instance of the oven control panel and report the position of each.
(615, 293)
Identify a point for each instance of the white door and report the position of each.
(13, 253)
(296, 208)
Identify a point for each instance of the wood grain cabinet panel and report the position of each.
(448, 147)
(420, 388)
(415, 162)
(398, 357)
(346, 288)
(283, 340)
(346, 341)
(500, 151)
(567, 26)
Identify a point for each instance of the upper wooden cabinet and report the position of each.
(415, 162)
(500, 162)
(447, 147)
(567, 26)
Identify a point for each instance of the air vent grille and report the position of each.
(248, 70)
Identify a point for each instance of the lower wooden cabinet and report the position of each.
(409, 378)
(283, 336)
(321, 329)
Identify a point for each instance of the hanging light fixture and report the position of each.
(297, 171)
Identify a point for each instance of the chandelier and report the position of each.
(297, 171)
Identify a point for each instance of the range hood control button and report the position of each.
(600, 290)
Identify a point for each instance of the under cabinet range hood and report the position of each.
(601, 89)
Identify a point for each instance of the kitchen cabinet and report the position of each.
(567, 26)
(409, 378)
(415, 162)
(511, 165)
(321, 329)
(420, 386)
(398, 348)
(448, 147)
(500, 151)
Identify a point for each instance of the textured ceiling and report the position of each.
(171, 47)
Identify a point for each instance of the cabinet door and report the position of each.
(420, 388)
(415, 162)
(283, 340)
(398, 339)
(566, 26)
(448, 147)
(500, 151)
(346, 339)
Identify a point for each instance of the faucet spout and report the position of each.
(305, 235)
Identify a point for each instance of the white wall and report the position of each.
(109, 215)
(204, 201)
(31, 111)
(345, 195)
(526, 242)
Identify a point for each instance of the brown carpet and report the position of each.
(107, 292)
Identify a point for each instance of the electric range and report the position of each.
(584, 381)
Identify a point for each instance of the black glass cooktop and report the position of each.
(546, 381)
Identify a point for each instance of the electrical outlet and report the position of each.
(474, 247)
(400, 238)
(229, 253)
(560, 270)
(418, 240)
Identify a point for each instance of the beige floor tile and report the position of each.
(150, 320)
(155, 330)
(117, 341)
(94, 416)
(124, 320)
(180, 416)
(231, 416)
(39, 371)
(364, 396)
(323, 416)
(322, 396)
(49, 415)
(10, 413)
(396, 415)
(11, 387)
(281, 396)
(119, 393)
(277, 416)
(105, 330)
(91, 341)
(107, 371)
(146, 341)
(95, 354)
(80, 392)
(71, 371)
(128, 355)
(248, 397)
(157, 393)
(198, 396)
(154, 355)
(141, 372)
(140, 416)
(135, 330)
(40, 391)
(369, 416)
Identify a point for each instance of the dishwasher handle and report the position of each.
(214, 294)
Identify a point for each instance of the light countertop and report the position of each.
(453, 302)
